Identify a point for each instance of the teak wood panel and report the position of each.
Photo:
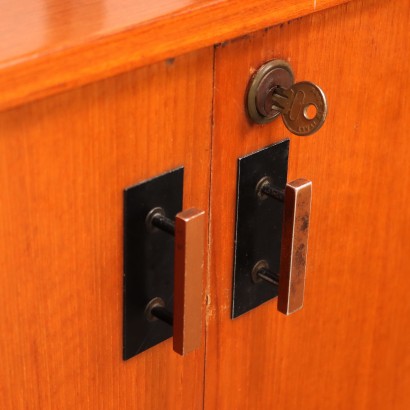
(64, 162)
(72, 43)
(349, 348)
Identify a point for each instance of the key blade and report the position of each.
(282, 99)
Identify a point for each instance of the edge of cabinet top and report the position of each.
(51, 46)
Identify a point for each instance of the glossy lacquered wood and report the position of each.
(54, 45)
(64, 163)
(349, 347)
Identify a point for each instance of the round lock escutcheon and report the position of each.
(271, 75)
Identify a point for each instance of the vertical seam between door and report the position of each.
(208, 275)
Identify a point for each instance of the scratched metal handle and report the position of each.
(188, 275)
(295, 232)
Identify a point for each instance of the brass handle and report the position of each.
(271, 238)
(163, 266)
(188, 269)
(188, 230)
(295, 232)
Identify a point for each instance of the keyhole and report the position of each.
(310, 112)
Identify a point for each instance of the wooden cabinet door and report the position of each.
(64, 163)
(349, 348)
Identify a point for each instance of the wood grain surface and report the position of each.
(54, 45)
(349, 348)
(64, 162)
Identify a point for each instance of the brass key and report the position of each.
(303, 107)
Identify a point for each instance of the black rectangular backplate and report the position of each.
(148, 260)
(258, 225)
